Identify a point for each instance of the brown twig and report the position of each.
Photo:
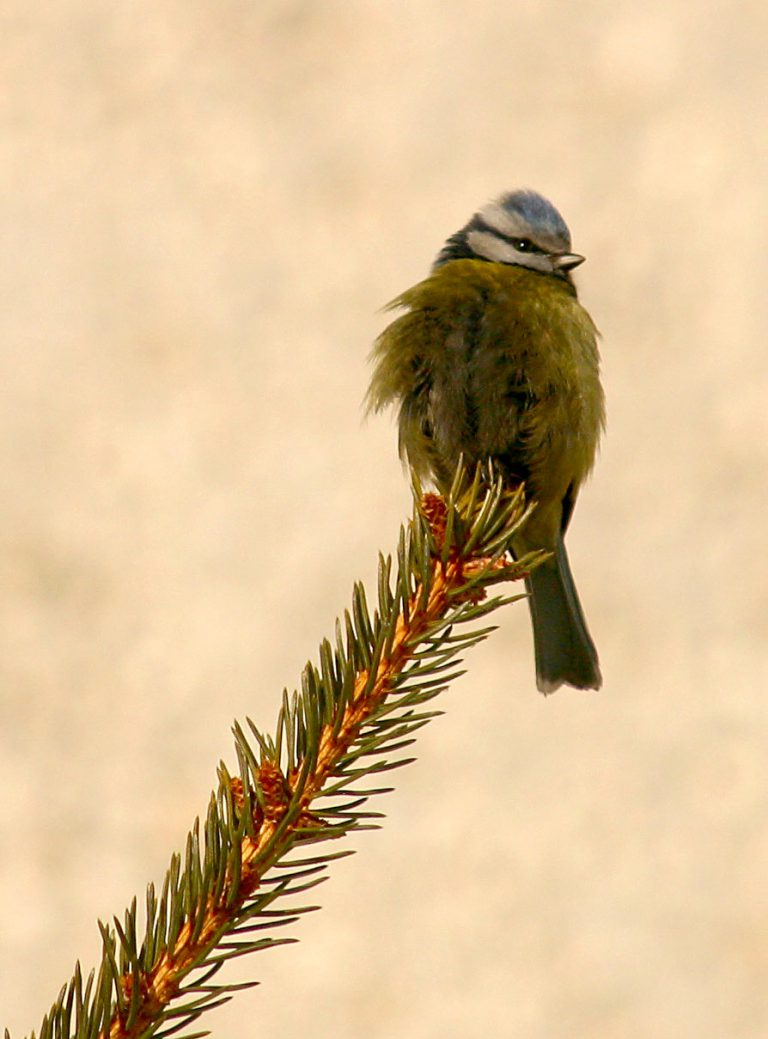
(162, 984)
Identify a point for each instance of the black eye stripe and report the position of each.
(517, 242)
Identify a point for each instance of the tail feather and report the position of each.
(565, 652)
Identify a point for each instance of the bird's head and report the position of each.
(520, 228)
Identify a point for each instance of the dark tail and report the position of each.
(565, 652)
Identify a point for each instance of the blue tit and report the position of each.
(494, 358)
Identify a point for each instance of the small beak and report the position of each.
(567, 261)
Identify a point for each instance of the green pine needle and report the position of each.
(359, 707)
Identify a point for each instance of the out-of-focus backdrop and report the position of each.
(202, 207)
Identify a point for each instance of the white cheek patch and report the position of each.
(487, 245)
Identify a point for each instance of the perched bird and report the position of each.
(495, 358)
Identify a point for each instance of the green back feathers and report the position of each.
(468, 329)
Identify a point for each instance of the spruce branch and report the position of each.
(357, 712)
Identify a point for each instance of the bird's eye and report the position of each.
(523, 245)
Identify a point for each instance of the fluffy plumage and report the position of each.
(494, 357)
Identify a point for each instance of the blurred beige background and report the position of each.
(203, 206)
